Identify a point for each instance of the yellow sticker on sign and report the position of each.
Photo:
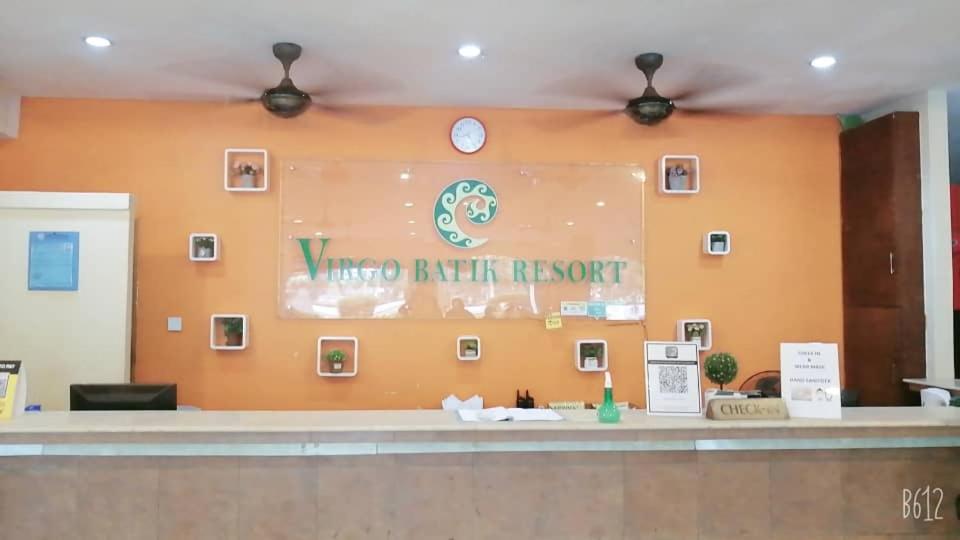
(554, 321)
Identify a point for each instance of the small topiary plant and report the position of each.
(721, 368)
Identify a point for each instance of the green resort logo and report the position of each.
(481, 205)
(481, 208)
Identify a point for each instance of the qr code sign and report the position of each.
(673, 379)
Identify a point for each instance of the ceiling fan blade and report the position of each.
(243, 100)
(364, 114)
(560, 120)
(587, 87)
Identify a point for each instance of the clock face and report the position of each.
(468, 135)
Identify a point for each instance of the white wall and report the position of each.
(937, 243)
(68, 337)
(953, 126)
(9, 115)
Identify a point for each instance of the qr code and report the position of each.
(673, 379)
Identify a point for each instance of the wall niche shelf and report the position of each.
(679, 174)
(221, 324)
(204, 247)
(591, 355)
(349, 363)
(699, 331)
(468, 348)
(237, 160)
(716, 243)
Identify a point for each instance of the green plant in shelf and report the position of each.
(591, 350)
(336, 358)
(721, 368)
(233, 330)
(204, 242)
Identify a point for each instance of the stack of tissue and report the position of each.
(453, 403)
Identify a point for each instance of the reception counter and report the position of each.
(426, 474)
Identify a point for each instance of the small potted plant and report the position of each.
(677, 178)
(694, 332)
(591, 355)
(720, 368)
(247, 171)
(233, 330)
(336, 358)
(204, 247)
(718, 243)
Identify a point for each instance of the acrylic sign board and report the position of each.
(459, 240)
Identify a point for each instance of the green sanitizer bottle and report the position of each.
(608, 413)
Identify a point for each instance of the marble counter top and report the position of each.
(441, 421)
(329, 433)
(952, 385)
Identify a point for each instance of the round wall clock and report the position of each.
(468, 135)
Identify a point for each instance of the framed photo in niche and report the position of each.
(679, 174)
(246, 169)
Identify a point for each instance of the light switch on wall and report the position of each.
(174, 324)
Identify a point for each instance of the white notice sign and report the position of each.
(810, 379)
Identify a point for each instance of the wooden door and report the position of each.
(882, 258)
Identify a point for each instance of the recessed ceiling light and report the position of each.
(298, 221)
(318, 233)
(601, 204)
(823, 62)
(97, 41)
(404, 176)
(470, 51)
(570, 224)
(412, 222)
(413, 233)
(408, 204)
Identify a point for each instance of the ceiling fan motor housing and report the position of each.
(649, 110)
(285, 102)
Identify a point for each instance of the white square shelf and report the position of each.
(674, 184)
(705, 342)
(325, 344)
(464, 349)
(234, 181)
(716, 243)
(219, 341)
(204, 247)
(585, 361)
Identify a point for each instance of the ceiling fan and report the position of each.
(286, 100)
(650, 108)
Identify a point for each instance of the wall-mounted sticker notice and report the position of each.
(54, 261)
(553, 321)
(573, 309)
(597, 310)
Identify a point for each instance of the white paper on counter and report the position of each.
(500, 414)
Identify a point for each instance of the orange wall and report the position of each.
(772, 181)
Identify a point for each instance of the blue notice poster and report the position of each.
(54, 261)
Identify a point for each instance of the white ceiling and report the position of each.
(538, 53)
